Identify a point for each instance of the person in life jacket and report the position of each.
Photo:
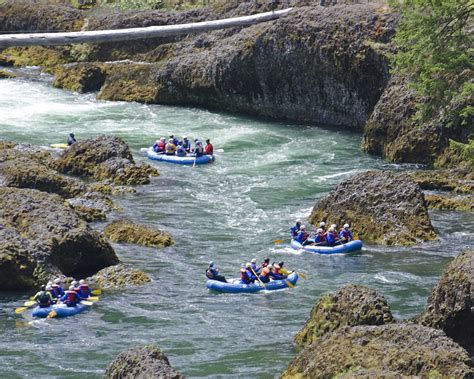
(175, 140)
(250, 274)
(186, 144)
(43, 298)
(322, 225)
(345, 234)
(209, 149)
(265, 263)
(213, 273)
(52, 293)
(332, 237)
(160, 145)
(181, 151)
(70, 139)
(244, 276)
(198, 150)
(253, 264)
(71, 297)
(84, 290)
(170, 147)
(57, 287)
(320, 238)
(294, 230)
(302, 236)
(283, 271)
(274, 272)
(265, 275)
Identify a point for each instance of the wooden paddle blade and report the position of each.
(277, 242)
(20, 309)
(85, 302)
(96, 292)
(29, 303)
(289, 284)
(52, 314)
(302, 275)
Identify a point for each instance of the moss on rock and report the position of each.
(349, 306)
(119, 277)
(465, 203)
(126, 231)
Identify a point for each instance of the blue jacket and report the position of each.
(77, 299)
(187, 146)
(181, 151)
(331, 239)
(346, 234)
(301, 237)
(255, 268)
(294, 231)
(251, 276)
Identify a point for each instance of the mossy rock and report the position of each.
(126, 231)
(6, 75)
(119, 277)
(465, 203)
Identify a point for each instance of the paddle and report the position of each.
(277, 242)
(92, 298)
(96, 292)
(21, 309)
(253, 272)
(289, 284)
(26, 305)
(29, 303)
(85, 302)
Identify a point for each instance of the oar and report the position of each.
(289, 284)
(92, 298)
(277, 242)
(85, 302)
(29, 303)
(21, 309)
(299, 273)
(253, 272)
(26, 305)
(96, 292)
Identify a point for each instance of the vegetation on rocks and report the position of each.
(349, 306)
(141, 362)
(381, 206)
(129, 232)
(119, 277)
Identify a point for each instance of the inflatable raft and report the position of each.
(62, 310)
(188, 160)
(338, 249)
(234, 285)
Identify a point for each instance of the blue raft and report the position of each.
(188, 160)
(62, 310)
(234, 286)
(338, 249)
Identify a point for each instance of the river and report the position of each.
(268, 175)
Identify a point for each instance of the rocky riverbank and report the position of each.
(351, 333)
(42, 211)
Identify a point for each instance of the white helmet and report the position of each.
(185, 137)
(248, 264)
(211, 263)
(49, 283)
(82, 281)
(322, 224)
(319, 230)
(73, 283)
(57, 280)
(48, 287)
(162, 139)
(331, 229)
(333, 226)
(302, 227)
(346, 226)
(298, 221)
(254, 260)
(71, 288)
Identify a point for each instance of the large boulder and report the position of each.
(118, 277)
(143, 362)
(394, 350)
(42, 236)
(382, 207)
(104, 157)
(349, 306)
(451, 304)
(127, 231)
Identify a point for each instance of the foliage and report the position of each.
(154, 4)
(435, 49)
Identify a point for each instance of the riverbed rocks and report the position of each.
(104, 158)
(451, 304)
(382, 207)
(392, 350)
(119, 277)
(141, 362)
(126, 231)
(349, 306)
(44, 237)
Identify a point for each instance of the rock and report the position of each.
(393, 350)
(459, 181)
(118, 277)
(126, 231)
(104, 157)
(382, 207)
(141, 362)
(79, 77)
(395, 134)
(92, 206)
(45, 238)
(6, 74)
(349, 306)
(458, 203)
(451, 304)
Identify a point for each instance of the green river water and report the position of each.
(269, 174)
